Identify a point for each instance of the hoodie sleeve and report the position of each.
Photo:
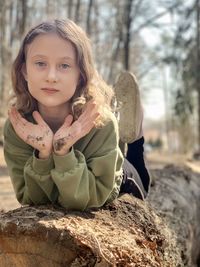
(29, 187)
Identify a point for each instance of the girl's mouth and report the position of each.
(50, 90)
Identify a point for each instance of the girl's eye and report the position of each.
(64, 66)
(40, 64)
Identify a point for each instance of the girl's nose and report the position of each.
(52, 76)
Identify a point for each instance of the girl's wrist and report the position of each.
(61, 152)
(44, 155)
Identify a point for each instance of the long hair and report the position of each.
(91, 85)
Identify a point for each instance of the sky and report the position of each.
(154, 105)
(153, 98)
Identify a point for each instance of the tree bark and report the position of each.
(5, 54)
(163, 231)
(175, 195)
(198, 64)
(23, 17)
(70, 3)
(77, 11)
(88, 21)
(128, 20)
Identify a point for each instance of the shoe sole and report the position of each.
(128, 95)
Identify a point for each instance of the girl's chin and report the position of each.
(48, 105)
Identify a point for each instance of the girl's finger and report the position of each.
(90, 110)
(91, 105)
(12, 120)
(13, 113)
(87, 128)
(13, 117)
(18, 117)
(68, 121)
(16, 123)
(87, 125)
(92, 118)
(38, 118)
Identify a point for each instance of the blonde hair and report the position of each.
(91, 85)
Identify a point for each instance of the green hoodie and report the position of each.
(88, 176)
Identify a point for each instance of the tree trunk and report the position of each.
(5, 54)
(117, 37)
(128, 20)
(126, 232)
(88, 21)
(50, 8)
(23, 17)
(175, 195)
(77, 11)
(198, 65)
(70, 3)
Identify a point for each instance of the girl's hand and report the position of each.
(39, 135)
(69, 133)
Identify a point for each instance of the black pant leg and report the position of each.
(135, 155)
(132, 183)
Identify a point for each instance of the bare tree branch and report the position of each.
(152, 19)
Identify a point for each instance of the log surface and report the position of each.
(162, 231)
(175, 195)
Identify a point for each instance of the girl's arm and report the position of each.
(87, 176)
(35, 186)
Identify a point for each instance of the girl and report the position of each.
(61, 138)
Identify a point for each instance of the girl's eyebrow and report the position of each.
(66, 57)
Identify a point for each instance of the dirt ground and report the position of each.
(7, 196)
(155, 160)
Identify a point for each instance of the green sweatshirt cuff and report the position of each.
(42, 166)
(66, 162)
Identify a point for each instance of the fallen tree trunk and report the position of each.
(176, 198)
(127, 232)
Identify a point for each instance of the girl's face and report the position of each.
(51, 70)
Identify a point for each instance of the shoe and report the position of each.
(130, 109)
